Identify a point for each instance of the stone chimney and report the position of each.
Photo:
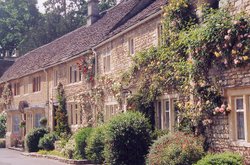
(93, 12)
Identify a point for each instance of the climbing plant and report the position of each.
(185, 64)
(7, 96)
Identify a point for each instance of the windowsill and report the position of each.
(17, 96)
(72, 84)
(241, 143)
(37, 92)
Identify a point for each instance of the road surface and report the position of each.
(10, 157)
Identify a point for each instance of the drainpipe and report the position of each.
(47, 91)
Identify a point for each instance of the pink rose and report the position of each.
(227, 37)
(223, 106)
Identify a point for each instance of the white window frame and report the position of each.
(111, 108)
(37, 118)
(236, 123)
(171, 110)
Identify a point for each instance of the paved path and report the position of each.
(10, 157)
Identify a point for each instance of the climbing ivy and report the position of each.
(185, 63)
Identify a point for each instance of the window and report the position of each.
(25, 87)
(160, 35)
(75, 114)
(240, 118)
(74, 74)
(166, 113)
(37, 84)
(55, 78)
(1, 91)
(111, 110)
(38, 116)
(16, 89)
(131, 46)
(106, 61)
(15, 124)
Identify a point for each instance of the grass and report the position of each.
(53, 153)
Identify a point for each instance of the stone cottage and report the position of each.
(112, 38)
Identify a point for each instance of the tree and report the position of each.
(61, 116)
(17, 18)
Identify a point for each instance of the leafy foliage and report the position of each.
(176, 149)
(18, 17)
(69, 150)
(221, 159)
(95, 145)
(33, 137)
(128, 139)
(3, 121)
(47, 142)
(80, 139)
(61, 112)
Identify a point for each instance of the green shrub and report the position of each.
(221, 159)
(159, 133)
(32, 139)
(43, 121)
(80, 139)
(2, 125)
(128, 139)
(47, 142)
(95, 145)
(2, 143)
(69, 151)
(176, 149)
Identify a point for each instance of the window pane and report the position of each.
(167, 114)
(159, 114)
(38, 116)
(239, 103)
(240, 125)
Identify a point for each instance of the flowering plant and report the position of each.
(223, 109)
(87, 66)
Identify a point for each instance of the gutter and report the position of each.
(95, 47)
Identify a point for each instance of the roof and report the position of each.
(84, 38)
(4, 65)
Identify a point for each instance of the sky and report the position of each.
(40, 5)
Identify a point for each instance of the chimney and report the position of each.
(93, 12)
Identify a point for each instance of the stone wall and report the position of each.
(221, 134)
(219, 140)
(235, 6)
